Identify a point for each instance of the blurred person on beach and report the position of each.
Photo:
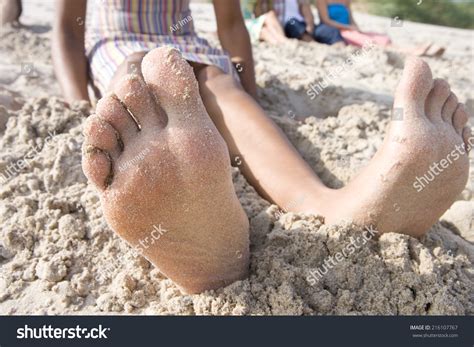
(174, 114)
(337, 14)
(299, 24)
(277, 21)
(10, 11)
(263, 19)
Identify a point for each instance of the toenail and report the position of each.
(120, 142)
(117, 134)
(89, 150)
(397, 114)
(137, 123)
(110, 177)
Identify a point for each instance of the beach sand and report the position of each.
(57, 255)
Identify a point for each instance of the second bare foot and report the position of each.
(422, 165)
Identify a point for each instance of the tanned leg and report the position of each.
(272, 28)
(384, 194)
(269, 161)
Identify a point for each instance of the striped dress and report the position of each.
(118, 28)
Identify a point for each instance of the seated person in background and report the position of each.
(299, 24)
(338, 14)
(264, 18)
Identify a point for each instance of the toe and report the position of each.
(436, 99)
(414, 87)
(111, 110)
(172, 80)
(440, 52)
(468, 138)
(460, 118)
(100, 134)
(138, 100)
(97, 166)
(449, 108)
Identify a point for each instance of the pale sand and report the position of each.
(55, 245)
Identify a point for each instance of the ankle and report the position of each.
(316, 200)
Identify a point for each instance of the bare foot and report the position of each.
(422, 166)
(421, 50)
(435, 51)
(272, 31)
(164, 166)
(428, 50)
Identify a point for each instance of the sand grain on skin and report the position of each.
(56, 250)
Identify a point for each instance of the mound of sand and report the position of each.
(58, 256)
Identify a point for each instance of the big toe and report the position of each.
(172, 80)
(414, 87)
